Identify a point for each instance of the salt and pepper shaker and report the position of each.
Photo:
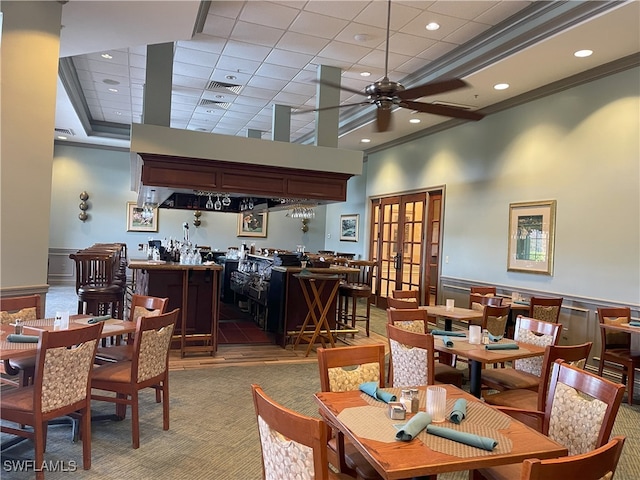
(409, 399)
(18, 326)
(485, 337)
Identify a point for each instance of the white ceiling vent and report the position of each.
(223, 87)
(64, 131)
(214, 104)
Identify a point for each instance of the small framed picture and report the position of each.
(531, 237)
(349, 227)
(141, 219)
(252, 224)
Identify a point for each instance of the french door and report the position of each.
(398, 233)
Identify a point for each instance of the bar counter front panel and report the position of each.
(195, 289)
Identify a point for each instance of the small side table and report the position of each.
(312, 286)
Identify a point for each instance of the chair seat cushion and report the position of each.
(116, 353)
(521, 398)
(356, 461)
(355, 289)
(447, 374)
(510, 378)
(23, 363)
(18, 399)
(100, 289)
(503, 472)
(112, 372)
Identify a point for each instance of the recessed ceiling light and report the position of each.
(583, 53)
(432, 26)
(60, 137)
(365, 74)
(107, 56)
(414, 120)
(114, 90)
(361, 37)
(118, 113)
(365, 140)
(501, 86)
(230, 77)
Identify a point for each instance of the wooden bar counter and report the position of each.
(194, 289)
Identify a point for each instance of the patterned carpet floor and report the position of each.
(213, 433)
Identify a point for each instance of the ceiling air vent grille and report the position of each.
(454, 105)
(221, 86)
(214, 104)
(64, 131)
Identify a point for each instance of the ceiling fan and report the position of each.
(386, 95)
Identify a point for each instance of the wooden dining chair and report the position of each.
(478, 301)
(526, 399)
(343, 369)
(61, 386)
(615, 347)
(402, 303)
(148, 368)
(579, 414)
(412, 357)
(526, 371)
(406, 294)
(546, 309)
(494, 319)
(25, 308)
(483, 290)
(141, 306)
(292, 445)
(416, 320)
(598, 464)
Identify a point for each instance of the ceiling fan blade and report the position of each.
(442, 110)
(340, 87)
(294, 112)
(383, 119)
(432, 88)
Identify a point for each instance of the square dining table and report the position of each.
(478, 355)
(365, 423)
(11, 350)
(456, 313)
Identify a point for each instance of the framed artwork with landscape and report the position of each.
(141, 219)
(252, 224)
(349, 227)
(531, 237)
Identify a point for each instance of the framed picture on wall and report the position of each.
(349, 227)
(531, 237)
(252, 224)
(141, 219)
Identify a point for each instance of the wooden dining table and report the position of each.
(366, 424)
(15, 350)
(478, 356)
(449, 314)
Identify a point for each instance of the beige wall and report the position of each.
(30, 48)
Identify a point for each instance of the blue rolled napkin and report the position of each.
(459, 411)
(495, 338)
(103, 318)
(447, 341)
(447, 332)
(471, 439)
(634, 323)
(20, 338)
(502, 346)
(521, 302)
(413, 427)
(372, 389)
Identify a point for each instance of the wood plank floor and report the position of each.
(261, 354)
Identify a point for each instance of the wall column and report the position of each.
(30, 51)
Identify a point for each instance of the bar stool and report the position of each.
(361, 288)
(314, 288)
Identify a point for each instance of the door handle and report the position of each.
(396, 261)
